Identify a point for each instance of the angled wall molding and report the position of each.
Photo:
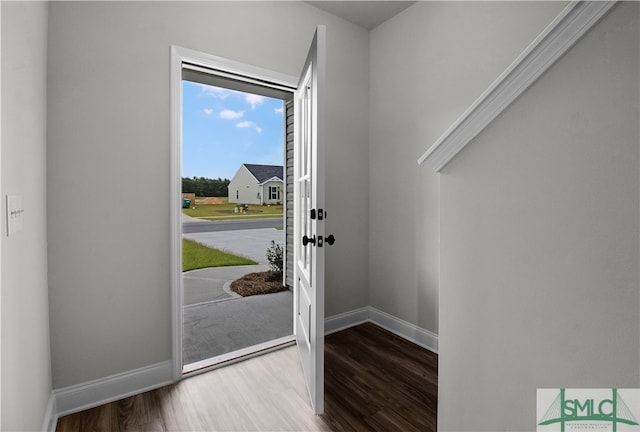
(555, 40)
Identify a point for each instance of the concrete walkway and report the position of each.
(212, 284)
(216, 320)
(217, 328)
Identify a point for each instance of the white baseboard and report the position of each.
(91, 394)
(51, 415)
(345, 320)
(95, 393)
(404, 329)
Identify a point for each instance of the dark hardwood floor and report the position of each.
(374, 381)
(377, 381)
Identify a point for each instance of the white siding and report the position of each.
(244, 189)
(279, 198)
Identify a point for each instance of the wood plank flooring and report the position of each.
(377, 381)
(374, 381)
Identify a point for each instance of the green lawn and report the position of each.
(195, 256)
(226, 211)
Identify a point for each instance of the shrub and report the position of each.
(274, 256)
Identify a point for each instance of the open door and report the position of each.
(309, 216)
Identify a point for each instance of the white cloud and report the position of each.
(208, 111)
(279, 110)
(216, 92)
(254, 100)
(249, 124)
(245, 124)
(230, 114)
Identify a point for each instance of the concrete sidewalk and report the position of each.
(212, 284)
(217, 328)
(217, 321)
(188, 219)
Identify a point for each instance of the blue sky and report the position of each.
(222, 129)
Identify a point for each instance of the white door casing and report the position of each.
(308, 207)
(309, 323)
(244, 77)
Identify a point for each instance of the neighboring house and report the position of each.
(257, 184)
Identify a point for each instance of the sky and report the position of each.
(222, 129)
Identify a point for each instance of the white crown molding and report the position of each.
(555, 40)
(91, 394)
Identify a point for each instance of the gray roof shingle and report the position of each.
(262, 173)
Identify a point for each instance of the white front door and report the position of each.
(309, 216)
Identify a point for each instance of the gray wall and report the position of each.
(528, 240)
(427, 65)
(530, 236)
(540, 223)
(109, 147)
(26, 372)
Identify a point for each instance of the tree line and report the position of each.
(205, 187)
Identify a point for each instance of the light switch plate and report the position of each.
(15, 214)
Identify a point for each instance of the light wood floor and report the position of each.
(373, 381)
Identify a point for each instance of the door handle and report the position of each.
(306, 240)
(330, 239)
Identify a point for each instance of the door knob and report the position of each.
(306, 240)
(330, 239)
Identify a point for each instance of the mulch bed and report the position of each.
(258, 283)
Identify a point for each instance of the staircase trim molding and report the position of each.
(555, 40)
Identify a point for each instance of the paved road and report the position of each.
(212, 226)
(250, 243)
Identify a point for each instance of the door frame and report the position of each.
(223, 67)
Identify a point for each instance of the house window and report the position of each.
(237, 194)
(274, 193)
